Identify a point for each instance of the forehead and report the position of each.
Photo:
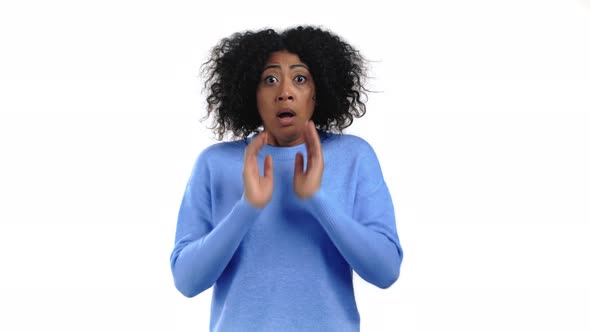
(284, 58)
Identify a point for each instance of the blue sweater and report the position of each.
(287, 266)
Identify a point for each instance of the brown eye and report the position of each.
(270, 80)
(300, 79)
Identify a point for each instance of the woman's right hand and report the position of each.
(257, 189)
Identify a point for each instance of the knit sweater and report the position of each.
(287, 266)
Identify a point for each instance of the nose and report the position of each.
(285, 93)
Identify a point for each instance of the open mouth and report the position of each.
(286, 117)
(286, 114)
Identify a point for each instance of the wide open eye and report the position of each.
(270, 80)
(300, 79)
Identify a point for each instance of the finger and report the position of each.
(250, 153)
(313, 139)
(268, 173)
(255, 146)
(298, 165)
(257, 143)
(306, 138)
(313, 145)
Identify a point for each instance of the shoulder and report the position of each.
(223, 151)
(345, 150)
(218, 154)
(360, 156)
(352, 144)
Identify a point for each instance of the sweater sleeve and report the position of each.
(201, 252)
(368, 239)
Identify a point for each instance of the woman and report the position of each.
(280, 245)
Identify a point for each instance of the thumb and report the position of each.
(298, 165)
(268, 173)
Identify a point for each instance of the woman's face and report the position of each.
(285, 98)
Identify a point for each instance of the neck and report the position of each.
(285, 143)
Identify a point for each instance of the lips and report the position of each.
(285, 113)
(286, 116)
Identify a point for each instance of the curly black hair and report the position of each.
(233, 71)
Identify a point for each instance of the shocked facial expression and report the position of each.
(286, 98)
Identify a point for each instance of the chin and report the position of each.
(287, 138)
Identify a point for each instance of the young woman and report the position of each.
(278, 218)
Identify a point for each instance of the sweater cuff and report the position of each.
(320, 205)
(243, 210)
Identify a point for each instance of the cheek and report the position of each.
(311, 93)
(311, 97)
(264, 105)
(263, 97)
(260, 99)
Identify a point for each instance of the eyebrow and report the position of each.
(290, 67)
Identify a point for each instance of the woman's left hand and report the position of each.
(307, 182)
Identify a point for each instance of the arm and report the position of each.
(368, 240)
(201, 251)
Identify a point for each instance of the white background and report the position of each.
(481, 126)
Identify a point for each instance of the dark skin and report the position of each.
(285, 84)
(258, 189)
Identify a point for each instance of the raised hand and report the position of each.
(257, 189)
(306, 183)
